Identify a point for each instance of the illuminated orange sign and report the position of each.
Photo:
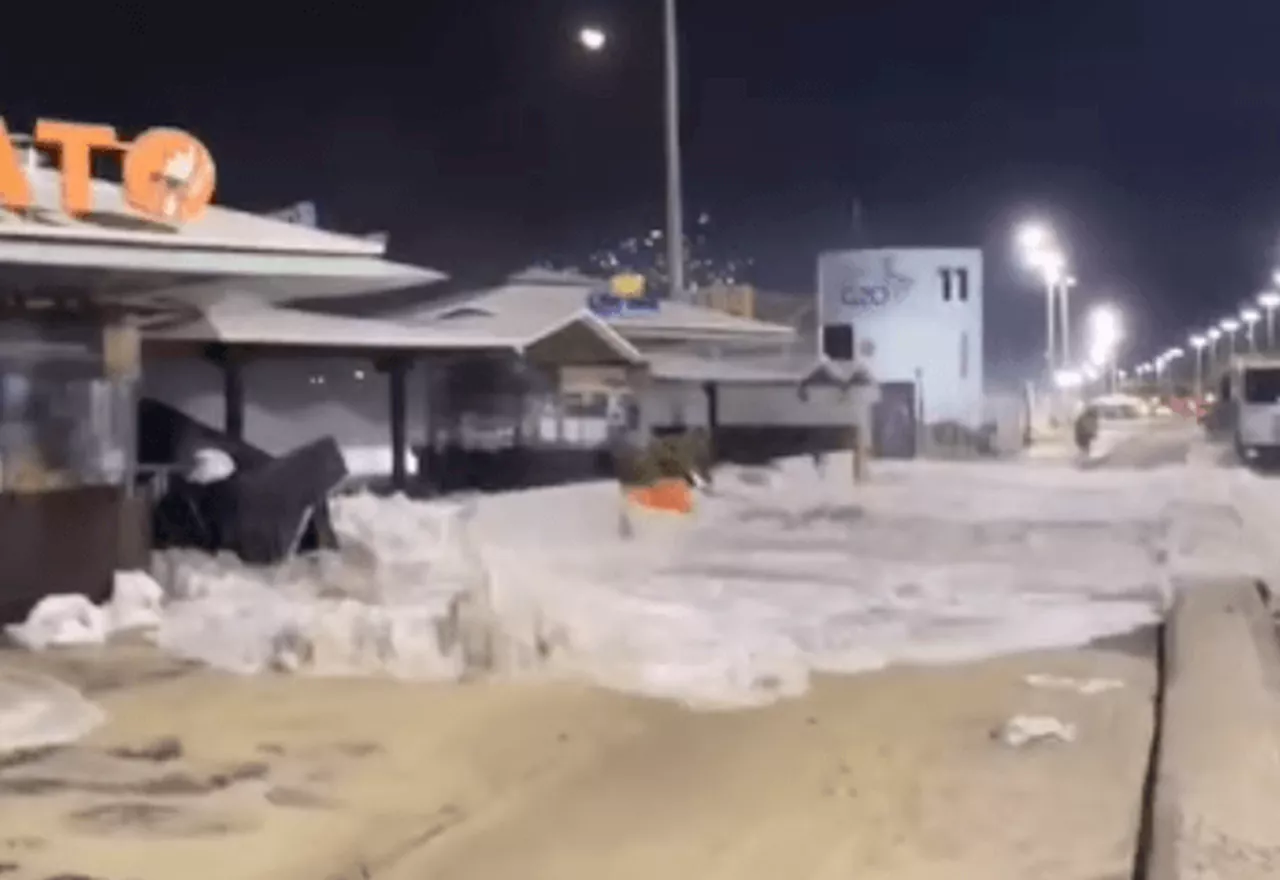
(168, 174)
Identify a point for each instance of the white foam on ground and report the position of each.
(61, 621)
(929, 562)
(37, 711)
(371, 607)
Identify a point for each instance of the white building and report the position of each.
(916, 318)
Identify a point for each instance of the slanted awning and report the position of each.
(542, 296)
(557, 327)
(244, 323)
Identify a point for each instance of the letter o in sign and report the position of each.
(169, 175)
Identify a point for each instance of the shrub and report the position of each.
(635, 466)
(670, 456)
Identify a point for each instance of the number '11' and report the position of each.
(955, 283)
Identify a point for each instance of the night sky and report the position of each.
(481, 136)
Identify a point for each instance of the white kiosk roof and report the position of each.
(44, 246)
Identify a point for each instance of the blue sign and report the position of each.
(607, 304)
(867, 291)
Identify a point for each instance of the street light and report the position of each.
(1065, 292)
(1167, 358)
(1270, 301)
(1251, 317)
(1213, 334)
(1229, 327)
(1105, 333)
(1041, 254)
(675, 198)
(1033, 238)
(1198, 343)
(592, 39)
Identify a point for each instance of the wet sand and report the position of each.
(890, 774)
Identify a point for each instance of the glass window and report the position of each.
(61, 422)
(1262, 385)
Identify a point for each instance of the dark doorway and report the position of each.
(893, 421)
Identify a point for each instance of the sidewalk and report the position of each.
(1218, 777)
(892, 774)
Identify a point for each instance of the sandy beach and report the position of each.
(889, 774)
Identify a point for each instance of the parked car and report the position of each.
(1119, 407)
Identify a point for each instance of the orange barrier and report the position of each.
(664, 496)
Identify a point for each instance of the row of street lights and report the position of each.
(1206, 344)
(1039, 250)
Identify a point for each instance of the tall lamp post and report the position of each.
(1039, 251)
(1146, 370)
(1169, 357)
(594, 39)
(1270, 301)
(1213, 334)
(1229, 327)
(1157, 367)
(1105, 334)
(1064, 293)
(675, 198)
(1250, 317)
(1198, 344)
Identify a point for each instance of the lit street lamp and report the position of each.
(1250, 317)
(1041, 254)
(675, 197)
(594, 39)
(1270, 301)
(1229, 327)
(1034, 238)
(1198, 344)
(1213, 334)
(1164, 360)
(1105, 334)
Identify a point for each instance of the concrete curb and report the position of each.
(1217, 781)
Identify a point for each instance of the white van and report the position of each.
(1251, 390)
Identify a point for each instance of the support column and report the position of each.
(122, 366)
(712, 392)
(397, 370)
(561, 439)
(232, 366)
